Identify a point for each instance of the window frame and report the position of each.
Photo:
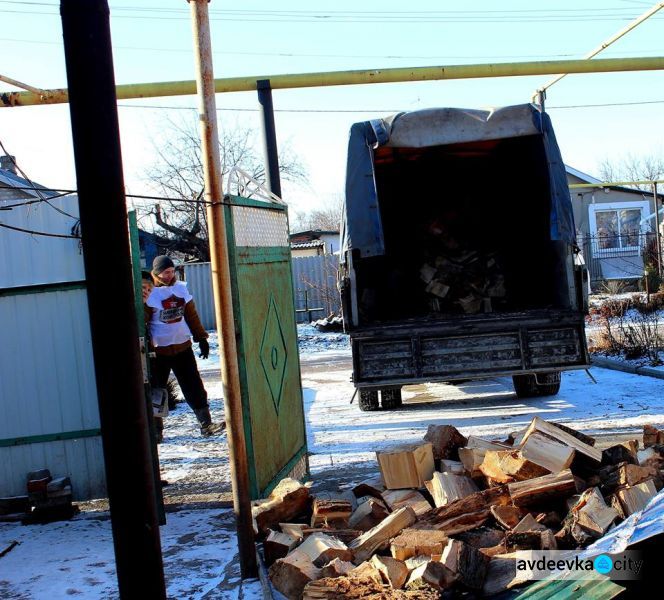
(593, 209)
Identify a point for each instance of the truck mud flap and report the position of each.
(434, 356)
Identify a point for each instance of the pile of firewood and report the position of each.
(447, 515)
(469, 280)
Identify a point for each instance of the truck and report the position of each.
(459, 258)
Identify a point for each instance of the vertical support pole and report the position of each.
(269, 137)
(658, 238)
(103, 210)
(221, 286)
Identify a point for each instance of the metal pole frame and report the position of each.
(221, 286)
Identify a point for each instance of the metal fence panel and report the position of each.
(314, 287)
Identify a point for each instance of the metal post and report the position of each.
(269, 137)
(221, 286)
(657, 233)
(122, 408)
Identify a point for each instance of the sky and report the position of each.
(596, 116)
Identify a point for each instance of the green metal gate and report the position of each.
(263, 304)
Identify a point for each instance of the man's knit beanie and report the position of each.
(161, 263)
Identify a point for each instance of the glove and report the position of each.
(204, 348)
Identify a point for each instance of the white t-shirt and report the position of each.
(167, 324)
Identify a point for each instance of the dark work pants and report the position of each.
(183, 365)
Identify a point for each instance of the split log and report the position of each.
(564, 437)
(418, 542)
(288, 500)
(528, 523)
(406, 466)
(321, 549)
(397, 499)
(542, 489)
(336, 568)
(394, 572)
(277, 545)
(445, 441)
(547, 452)
(614, 502)
(548, 540)
(506, 466)
(590, 518)
(367, 570)
(503, 575)
(652, 436)
(354, 587)
(549, 519)
(416, 561)
(471, 459)
(634, 499)
(507, 517)
(452, 466)
(368, 515)
(624, 474)
(371, 487)
(446, 488)
(582, 437)
(344, 535)
(294, 529)
(291, 574)
(366, 544)
(468, 564)
(432, 573)
(624, 452)
(482, 537)
(478, 442)
(331, 513)
(523, 540)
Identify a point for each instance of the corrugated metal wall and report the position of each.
(314, 285)
(47, 381)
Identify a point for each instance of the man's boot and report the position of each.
(208, 428)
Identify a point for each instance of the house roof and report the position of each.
(581, 175)
(313, 233)
(590, 179)
(311, 244)
(9, 179)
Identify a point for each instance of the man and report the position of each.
(171, 317)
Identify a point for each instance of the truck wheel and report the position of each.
(391, 398)
(527, 386)
(368, 400)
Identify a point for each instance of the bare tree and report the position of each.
(634, 168)
(177, 174)
(327, 218)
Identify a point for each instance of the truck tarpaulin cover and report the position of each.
(362, 228)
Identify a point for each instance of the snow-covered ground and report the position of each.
(75, 558)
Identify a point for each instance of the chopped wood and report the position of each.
(447, 487)
(345, 535)
(582, 437)
(368, 514)
(445, 440)
(592, 514)
(464, 514)
(367, 570)
(394, 572)
(482, 537)
(354, 587)
(506, 466)
(503, 575)
(624, 474)
(471, 459)
(432, 573)
(548, 540)
(321, 549)
(416, 561)
(652, 436)
(634, 499)
(620, 453)
(646, 455)
(291, 574)
(336, 568)
(331, 513)
(547, 452)
(540, 489)
(277, 545)
(288, 500)
(550, 519)
(614, 502)
(417, 542)
(468, 564)
(557, 433)
(478, 442)
(528, 523)
(452, 466)
(523, 540)
(371, 487)
(294, 529)
(406, 466)
(507, 516)
(397, 499)
(427, 273)
(366, 544)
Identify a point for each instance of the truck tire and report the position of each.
(368, 400)
(527, 386)
(391, 398)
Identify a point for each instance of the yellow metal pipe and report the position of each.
(575, 186)
(323, 79)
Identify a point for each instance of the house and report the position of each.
(615, 227)
(314, 243)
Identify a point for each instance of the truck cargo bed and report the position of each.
(465, 347)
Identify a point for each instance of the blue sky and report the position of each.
(152, 42)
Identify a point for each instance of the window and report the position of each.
(617, 227)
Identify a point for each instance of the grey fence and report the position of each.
(314, 288)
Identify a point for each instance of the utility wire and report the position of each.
(43, 233)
